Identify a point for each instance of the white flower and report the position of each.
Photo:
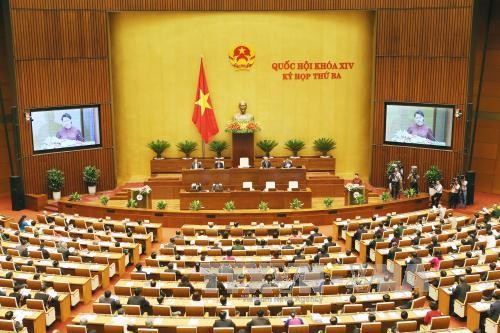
(139, 197)
(356, 195)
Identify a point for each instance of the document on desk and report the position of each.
(420, 313)
(193, 322)
(360, 317)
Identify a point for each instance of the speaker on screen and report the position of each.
(470, 176)
(16, 192)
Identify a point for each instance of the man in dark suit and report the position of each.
(392, 252)
(287, 164)
(63, 249)
(20, 298)
(265, 164)
(48, 301)
(196, 164)
(137, 299)
(461, 290)
(258, 321)
(108, 299)
(170, 269)
(219, 164)
(223, 321)
(413, 262)
(494, 310)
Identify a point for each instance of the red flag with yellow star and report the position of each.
(203, 114)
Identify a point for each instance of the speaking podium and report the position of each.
(145, 202)
(349, 195)
(242, 147)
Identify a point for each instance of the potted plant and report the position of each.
(385, 196)
(187, 147)
(359, 199)
(263, 206)
(328, 202)
(392, 165)
(433, 174)
(158, 146)
(229, 206)
(131, 203)
(91, 177)
(267, 146)
(74, 197)
(296, 204)
(104, 200)
(55, 182)
(324, 145)
(161, 205)
(218, 147)
(195, 205)
(295, 145)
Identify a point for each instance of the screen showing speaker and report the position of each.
(66, 128)
(419, 125)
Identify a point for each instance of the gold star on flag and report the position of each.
(203, 102)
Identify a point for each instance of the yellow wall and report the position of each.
(155, 63)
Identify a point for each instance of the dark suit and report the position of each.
(141, 301)
(47, 300)
(416, 240)
(224, 323)
(19, 298)
(196, 165)
(494, 311)
(265, 164)
(412, 264)
(65, 253)
(115, 305)
(392, 252)
(460, 291)
(178, 274)
(258, 321)
(219, 165)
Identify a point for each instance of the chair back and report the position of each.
(181, 292)
(168, 276)
(147, 330)
(335, 329)
(298, 329)
(446, 281)
(418, 302)
(109, 328)
(325, 308)
(473, 296)
(35, 304)
(349, 260)
(53, 270)
(151, 292)
(262, 329)
(195, 310)
(231, 310)
(186, 329)
(102, 308)
(76, 329)
(352, 308)
(253, 309)
(286, 311)
(440, 323)
(7, 325)
(138, 276)
(10, 302)
(123, 291)
(493, 275)
(375, 327)
(223, 330)
(329, 290)
(34, 284)
(162, 310)
(132, 310)
(6, 283)
(473, 278)
(407, 326)
(446, 264)
(385, 306)
(210, 292)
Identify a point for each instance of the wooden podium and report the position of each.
(242, 147)
(146, 201)
(349, 196)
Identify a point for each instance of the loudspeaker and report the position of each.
(470, 176)
(16, 192)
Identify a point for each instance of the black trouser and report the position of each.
(414, 186)
(436, 198)
(395, 190)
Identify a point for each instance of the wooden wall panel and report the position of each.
(422, 50)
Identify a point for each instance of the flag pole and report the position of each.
(202, 148)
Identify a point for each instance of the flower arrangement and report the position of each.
(104, 200)
(263, 206)
(410, 193)
(358, 198)
(158, 146)
(385, 196)
(328, 202)
(242, 127)
(296, 204)
(229, 206)
(131, 203)
(144, 191)
(351, 187)
(195, 205)
(74, 197)
(161, 205)
(433, 174)
(91, 175)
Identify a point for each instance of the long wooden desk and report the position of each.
(473, 313)
(83, 284)
(191, 229)
(204, 325)
(246, 199)
(444, 298)
(34, 320)
(234, 177)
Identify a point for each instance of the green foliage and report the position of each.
(263, 206)
(131, 203)
(392, 165)
(385, 196)
(74, 197)
(410, 193)
(324, 145)
(91, 175)
(195, 205)
(229, 206)
(328, 202)
(158, 146)
(104, 200)
(267, 146)
(296, 204)
(55, 180)
(433, 174)
(187, 147)
(295, 145)
(161, 205)
(218, 147)
(359, 199)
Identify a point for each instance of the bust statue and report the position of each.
(243, 116)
